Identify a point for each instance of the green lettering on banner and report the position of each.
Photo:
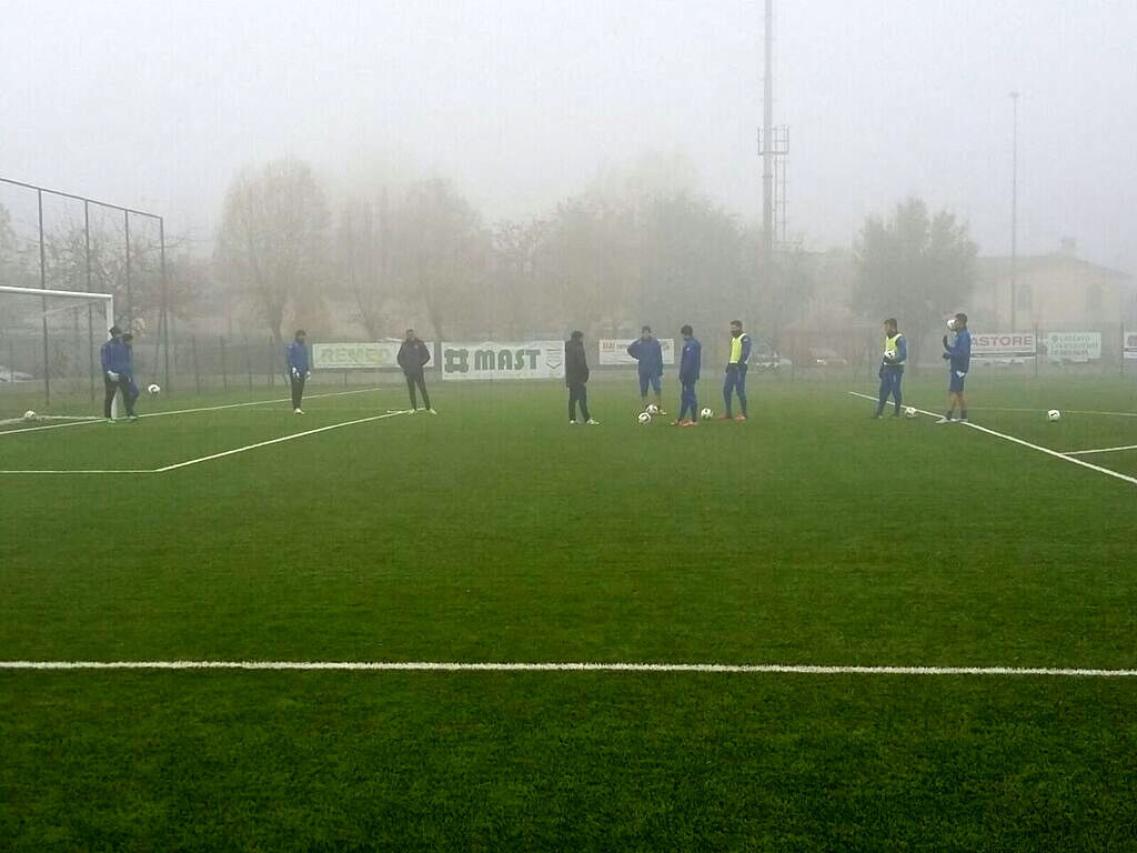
(485, 359)
(533, 355)
(457, 360)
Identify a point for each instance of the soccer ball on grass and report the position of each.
(644, 418)
(29, 415)
(706, 414)
(1053, 415)
(154, 388)
(652, 409)
(910, 412)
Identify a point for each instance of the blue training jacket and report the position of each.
(298, 358)
(690, 362)
(116, 357)
(960, 352)
(649, 354)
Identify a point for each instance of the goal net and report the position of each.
(49, 354)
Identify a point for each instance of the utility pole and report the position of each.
(1014, 208)
(768, 147)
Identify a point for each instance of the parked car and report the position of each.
(7, 374)
(765, 359)
(823, 357)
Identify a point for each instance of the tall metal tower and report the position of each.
(765, 141)
(773, 147)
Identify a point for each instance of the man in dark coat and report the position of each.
(413, 357)
(576, 378)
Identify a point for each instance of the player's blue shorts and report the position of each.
(645, 380)
(955, 385)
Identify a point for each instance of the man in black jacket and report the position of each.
(413, 357)
(576, 377)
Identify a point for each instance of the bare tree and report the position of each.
(441, 252)
(363, 247)
(271, 247)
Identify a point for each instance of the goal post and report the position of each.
(51, 336)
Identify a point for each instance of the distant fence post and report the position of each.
(249, 364)
(196, 371)
(224, 366)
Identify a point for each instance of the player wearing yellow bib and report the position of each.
(736, 371)
(891, 367)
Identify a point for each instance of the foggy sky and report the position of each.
(522, 102)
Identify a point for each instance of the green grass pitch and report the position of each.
(495, 532)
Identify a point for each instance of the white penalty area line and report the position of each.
(1056, 454)
(1101, 450)
(678, 668)
(220, 455)
(90, 420)
(272, 441)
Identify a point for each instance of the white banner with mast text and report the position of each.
(468, 361)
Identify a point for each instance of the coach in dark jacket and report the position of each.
(413, 357)
(576, 377)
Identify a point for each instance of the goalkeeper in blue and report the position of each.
(891, 368)
(299, 368)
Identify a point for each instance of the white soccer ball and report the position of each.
(652, 409)
(29, 415)
(1054, 415)
(706, 414)
(951, 324)
(644, 418)
(910, 412)
(154, 388)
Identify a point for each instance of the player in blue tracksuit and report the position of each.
(891, 368)
(299, 368)
(736, 370)
(958, 355)
(118, 373)
(649, 355)
(690, 363)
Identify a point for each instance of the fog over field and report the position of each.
(521, 103)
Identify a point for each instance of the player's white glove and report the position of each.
(295, 373)
(112, 376)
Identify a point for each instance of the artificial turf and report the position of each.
(496, 532)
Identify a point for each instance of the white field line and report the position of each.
(78, 471)
(1064, 411)
(1101, 450)
(1056, 454)
(212, 456)
(271, 441)
(89, 420)
(448, 666)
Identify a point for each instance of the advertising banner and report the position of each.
(615, 352)
(1073, 346)
(378, 355)
(1003, 345)
(494, 360)
(1130, 344)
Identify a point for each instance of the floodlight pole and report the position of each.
(1014, 207)
(43, 286)
(768, 146)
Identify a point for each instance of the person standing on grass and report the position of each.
(891, 368)
(118, 374)
(299, 368)
(413, 358)
(736, 370)
(576, 378)
(958, 355)
(690, 362)
(648, 353)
